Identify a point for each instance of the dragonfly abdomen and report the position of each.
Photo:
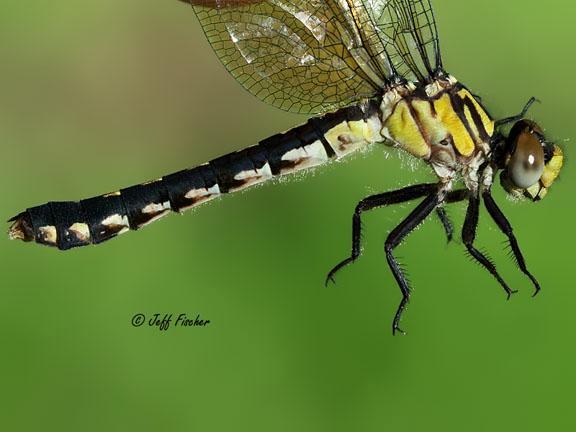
(71, 224)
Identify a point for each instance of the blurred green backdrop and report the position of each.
(100, 95)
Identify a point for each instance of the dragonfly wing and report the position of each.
(299, 55)
(408, 34)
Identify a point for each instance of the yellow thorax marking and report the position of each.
(463, 142)
(470, 120)
(418, 124)
(404, 130)
(434, 130)
(486, 120)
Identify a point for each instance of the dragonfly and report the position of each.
(367, 72)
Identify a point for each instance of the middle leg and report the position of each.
(446, 223)
(451, 197)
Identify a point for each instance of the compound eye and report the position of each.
(527, 162)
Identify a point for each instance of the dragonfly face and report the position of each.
(531, 164)
(372, 71)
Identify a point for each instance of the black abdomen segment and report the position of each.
(70, 224)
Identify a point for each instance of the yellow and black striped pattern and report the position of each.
(452, 116)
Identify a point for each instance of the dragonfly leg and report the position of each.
(456, 196)
(446, 223)
(388, 198)
(451, 197)
(398, 234)
(468, 237)
(517, 117)
(506, 228)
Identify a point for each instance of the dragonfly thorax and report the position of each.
(441, 123)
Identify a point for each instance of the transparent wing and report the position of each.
(408, 35)
(311, 56)
(304, 56)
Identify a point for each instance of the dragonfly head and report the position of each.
(531, 164)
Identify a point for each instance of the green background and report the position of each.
(100, 95)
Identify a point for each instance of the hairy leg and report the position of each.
(415, 218)
(468, 237)
(506, 228)
(388, 198)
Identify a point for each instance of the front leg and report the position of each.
(506, 228)
(394, 197)
(517, 117)
(468, 237)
